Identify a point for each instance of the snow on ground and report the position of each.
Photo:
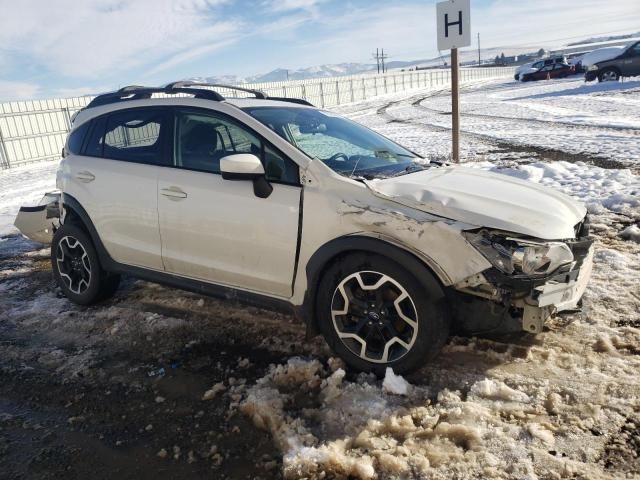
(599, 122)
(563, 404)
(23, 186)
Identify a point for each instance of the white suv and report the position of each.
(276, 203)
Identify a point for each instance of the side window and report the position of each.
(635, 50)
(135, 136)
(95, 140)
(203, 139)
(537, 65)
(76, 139)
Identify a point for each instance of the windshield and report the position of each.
(346, 147)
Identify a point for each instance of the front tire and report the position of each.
(375, 314)
(76, 267)
(609, 75)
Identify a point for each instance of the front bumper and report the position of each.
(492, 302)
(559, 294)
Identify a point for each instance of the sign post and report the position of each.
(454, 31)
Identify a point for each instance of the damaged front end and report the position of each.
(530, 280)
(40, 222)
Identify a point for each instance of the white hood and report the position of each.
(601, 55)
(486, 199)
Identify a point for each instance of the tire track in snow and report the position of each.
(544, 153)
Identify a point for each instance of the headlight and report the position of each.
(592, 68)
(517, 256)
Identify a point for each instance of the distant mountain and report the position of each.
(605, 39)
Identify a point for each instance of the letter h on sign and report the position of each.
(449, 15)
(448, 24)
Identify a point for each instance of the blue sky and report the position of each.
(71, 47)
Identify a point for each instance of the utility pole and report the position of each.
(380, 57)
(479, 61)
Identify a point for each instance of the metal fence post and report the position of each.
(351, 89)
(4, 157)
(304, 93)
(321, 95)
(337, 93)
(67, 117)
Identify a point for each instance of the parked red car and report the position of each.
(558, 70)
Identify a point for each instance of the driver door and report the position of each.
(217, 230)
(631, 62)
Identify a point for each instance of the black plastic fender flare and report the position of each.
(332, 250)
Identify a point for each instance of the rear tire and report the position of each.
(396, 320)
(76, 267)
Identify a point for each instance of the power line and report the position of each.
(380, 58)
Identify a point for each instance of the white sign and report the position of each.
(454, 24)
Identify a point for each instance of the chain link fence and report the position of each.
(36, 130)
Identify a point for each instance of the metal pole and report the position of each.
(67, 117)
(455, 107)
(479, 61)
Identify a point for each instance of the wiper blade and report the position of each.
(384, 151)
(414, 167)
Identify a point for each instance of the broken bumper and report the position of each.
(39, 222)
(492, 302)
(560, 293)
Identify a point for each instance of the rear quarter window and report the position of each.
(76, 139)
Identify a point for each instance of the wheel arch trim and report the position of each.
(69, 202)
(378, 244)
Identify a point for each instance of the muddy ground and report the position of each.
(117, 390)
(105, 391)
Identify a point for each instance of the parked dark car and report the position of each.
(558, 70)
(539, 64)
(627, 64)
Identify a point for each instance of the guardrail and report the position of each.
(36, 130)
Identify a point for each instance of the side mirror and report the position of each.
(246, 166)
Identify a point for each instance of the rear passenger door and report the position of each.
(115, 179)
(218, 230)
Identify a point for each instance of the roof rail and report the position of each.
(138, 92)
(189, 84)
(134, 92)
(299, 101)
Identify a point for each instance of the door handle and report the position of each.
(173, 193)
(85, 176)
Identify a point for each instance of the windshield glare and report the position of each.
(344, 146)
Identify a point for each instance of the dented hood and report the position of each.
(486, 199)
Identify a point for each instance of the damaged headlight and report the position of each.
(592, 68)
(517, 256)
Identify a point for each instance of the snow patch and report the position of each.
(395, 384)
